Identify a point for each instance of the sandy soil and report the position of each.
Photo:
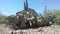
(53, 29)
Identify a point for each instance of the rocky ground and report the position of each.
(53, 29)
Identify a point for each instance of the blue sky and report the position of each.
(10, 7)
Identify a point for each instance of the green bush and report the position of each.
(57, 21)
